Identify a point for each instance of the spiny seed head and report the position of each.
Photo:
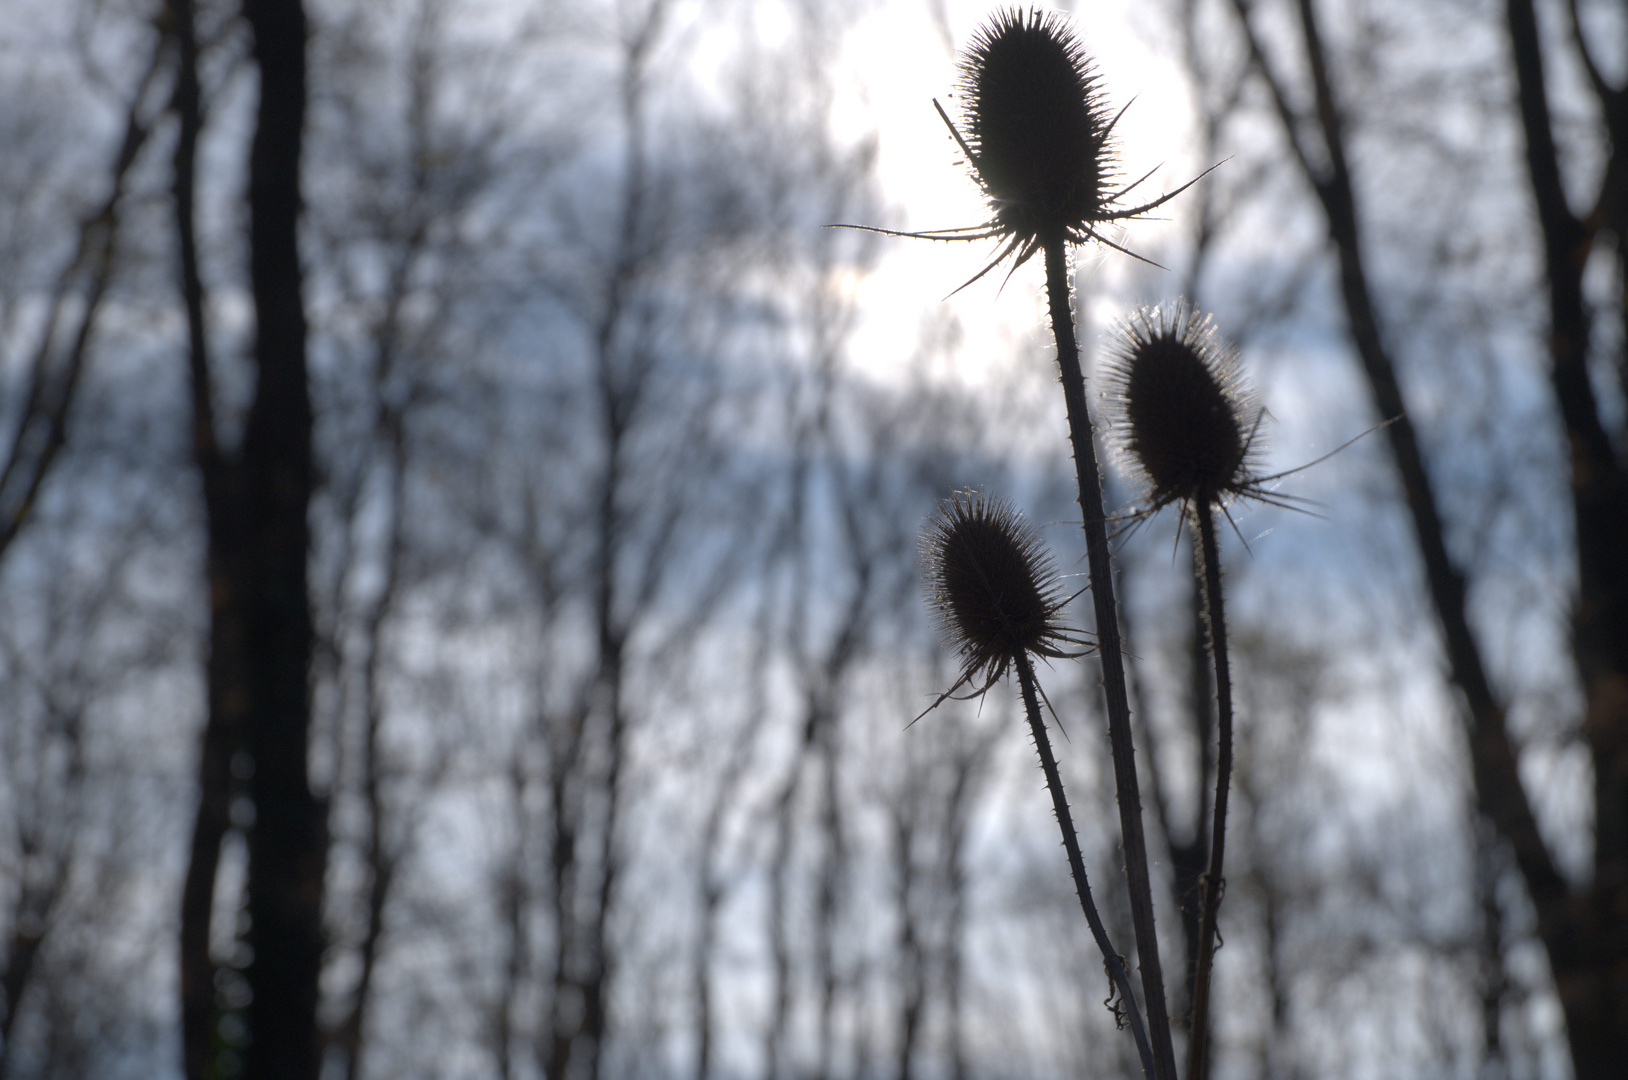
(992, 585)
(1039, 141)
(1037, 128)
(1185, 420)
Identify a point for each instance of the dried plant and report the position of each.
(1039, 143)
(1184, 418)
(1187, 426)
(998, 600)
(994, 588)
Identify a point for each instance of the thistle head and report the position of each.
(1039, 141)
(1181, 411)
(1037, 127)
(992, 586)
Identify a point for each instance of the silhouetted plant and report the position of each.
(1039, 141)
(998, 601)
(993, 587)
(1183, 413)
(1040, 145)
(1041, 149)
(1183, 418)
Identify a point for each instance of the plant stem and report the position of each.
(1076, 865)
(1207, 559)
(1111, 652)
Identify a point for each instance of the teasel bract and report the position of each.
(1039, 140)
(1037, 130)
(1039, 133)
(993, 588)
(1184, 418)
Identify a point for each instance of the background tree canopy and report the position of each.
(458, 544)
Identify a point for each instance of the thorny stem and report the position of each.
(1207, 557)
(1076, 865)
(1111, 653)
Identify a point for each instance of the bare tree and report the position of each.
(1292, 57)
(256, 499)
(288, 842)
(1578, 927)
(54, 361)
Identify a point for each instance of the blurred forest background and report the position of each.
(519, 558)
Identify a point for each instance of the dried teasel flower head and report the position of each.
(1039, 141)
(1037, 126)
(1181, 411)
(993, 588)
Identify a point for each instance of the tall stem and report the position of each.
(1076, 865)
(1111, 652)
(1207, 559)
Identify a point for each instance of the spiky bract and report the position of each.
(992, 585)
(1184, 417)
(1037, 128)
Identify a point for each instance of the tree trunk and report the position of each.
(226, 701)
(1587, 934)
(288, 840)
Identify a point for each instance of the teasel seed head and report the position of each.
(1180, 409)
(1037, 126)
(1039, 140)
(992, 586)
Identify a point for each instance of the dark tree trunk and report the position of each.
(1587, 934)
(288, 839)
(223, 724)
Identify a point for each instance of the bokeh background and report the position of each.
(621, 455)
